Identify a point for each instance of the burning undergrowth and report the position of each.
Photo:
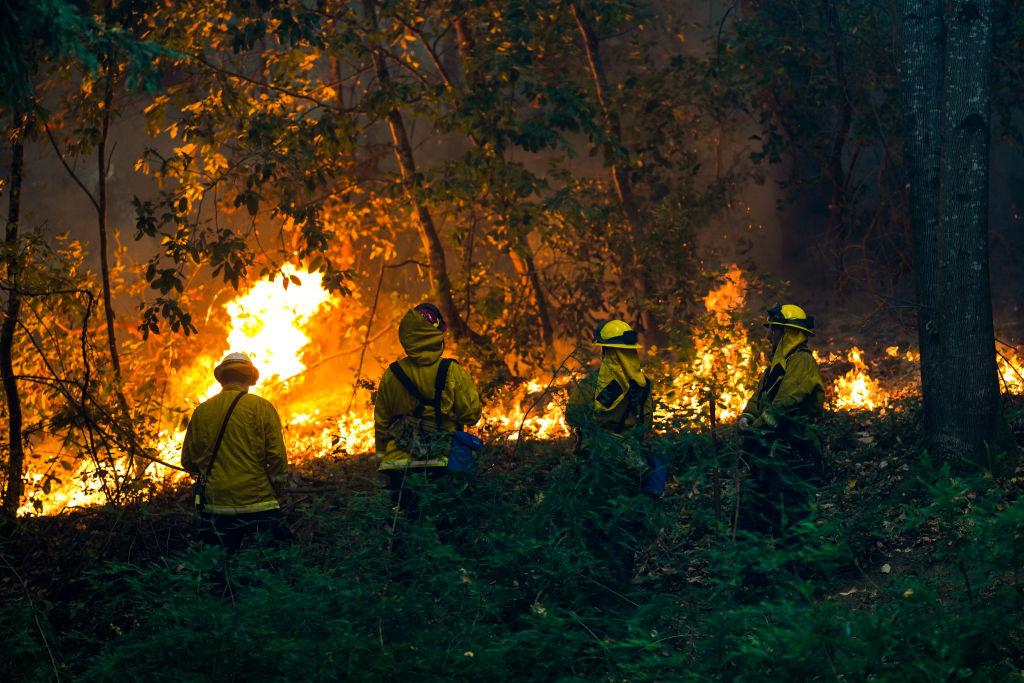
(320, 369)
(118, 591)
(897, 565)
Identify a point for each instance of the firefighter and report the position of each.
(421, 401)
(777, 427)
(235, 448)
(612, 411)
(618, 397)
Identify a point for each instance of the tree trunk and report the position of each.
(968, 338)
(921, 38)
(137, 465)
(441, 285)
(522, 258)
(836, 168)
(101, 220)
(12, 310)
(620, 178)
(945, 64)
(440, 282)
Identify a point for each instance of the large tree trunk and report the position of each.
(638, 273)
(12, 310)
(969, 373)
(838, 218)
(945, 61)
(441, 284)
(922, 39)
(440, 281)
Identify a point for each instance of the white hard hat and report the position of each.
(236, 361)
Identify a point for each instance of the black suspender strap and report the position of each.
(637, 409)
(410, 387)
(220, 435)
(439, 381)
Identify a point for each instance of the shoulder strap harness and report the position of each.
(439, 381)
(775, 373)
(220, 434)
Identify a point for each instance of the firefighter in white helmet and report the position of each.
(780, 439)
(234, 446)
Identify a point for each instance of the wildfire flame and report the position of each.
(269, 323)
(720, 369)
(856, 389)
(730, 296)
(1011, 370)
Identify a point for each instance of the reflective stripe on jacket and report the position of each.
(460, 403)
(251, 468)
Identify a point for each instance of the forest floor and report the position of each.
(890, 527)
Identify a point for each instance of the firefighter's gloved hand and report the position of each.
(743, 423)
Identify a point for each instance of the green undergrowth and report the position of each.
(546, 567)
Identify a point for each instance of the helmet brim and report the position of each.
(795, 327)
(254, 373)
(619, 346)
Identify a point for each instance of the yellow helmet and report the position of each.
(790, 316)
(615, 334)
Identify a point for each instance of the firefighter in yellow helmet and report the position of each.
(618, 398)
(422, 400)
(612, 411)
(777, 425)
(235, 447)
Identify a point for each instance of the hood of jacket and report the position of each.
(791, 339)
(620, 366)
(423, 343)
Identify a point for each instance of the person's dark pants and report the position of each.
(781, 480)
(616, 548)
(230, 531)
(418, 493)
(614, 532)
(406, 486)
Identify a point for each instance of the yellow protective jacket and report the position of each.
(251, 468)
(617, 397)
(460, 402)
(790, 395)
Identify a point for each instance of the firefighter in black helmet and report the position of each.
(777, 425)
